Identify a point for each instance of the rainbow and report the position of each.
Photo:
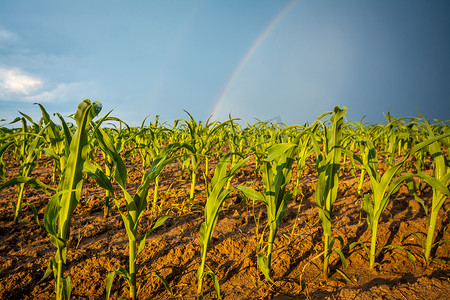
(249, 54)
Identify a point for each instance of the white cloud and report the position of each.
(15, 82)
(61, 93)
(7, 36)
(17, 85)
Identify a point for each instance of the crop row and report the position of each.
(400, 144)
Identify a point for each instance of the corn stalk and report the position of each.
(135, 205)
(57, 216)
(216, 196)
(276, 169)
(439, 183)
(328, 164)
(382, 187)
(29, 144)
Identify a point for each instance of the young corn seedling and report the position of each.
(276, 169)
(29, 144)
(382, 188)
(304, 151)
(59, 140)
(4, 147)
(150, 140)
(135, 206)
(29, 156)
(198, 146)
(21, 182)
(118, 145)
(439, 183)
(216, 196)
(328, 164)
(232, 134)
(57, 216)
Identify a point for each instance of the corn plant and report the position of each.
(276, 170)
(382, 188)
(150, 142)
(397, 137)
(328, 164)
(57, 216)
(263, 135)
(216, 196)
(118, 143)
(198, 146)
(439, 183)
(236, 143)
(59, 141)
(28, 162)
(29, 144)
(135, 205)
(420, 156)
(3, 148)
(304, 150)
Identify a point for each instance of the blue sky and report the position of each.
(290, 60)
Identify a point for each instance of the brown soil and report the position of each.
(99, 245)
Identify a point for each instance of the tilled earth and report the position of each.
(100, 244)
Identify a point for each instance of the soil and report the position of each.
(99, 244)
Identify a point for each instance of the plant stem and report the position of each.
(191, 194)
(59, 278)
(19, 201)
(132, 268)
(155, 193)
(200, 279)
(373, 243)
(326, 256)
(272, 236)
(361, 181)
(430, 234)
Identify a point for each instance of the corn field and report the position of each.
(92, 208)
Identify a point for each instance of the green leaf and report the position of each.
(107, 145)
(411, 187)
(216, 283)
(72, 179)
(410, 256)
(129, 225)
(51, 268)
(100, 177)
(344, 276)
(251, 194)
(433, 182)
(67, 288)
(141, 242)
(27, 180)
(109, 281)
(439, 261)
(160, 221)
(163, 280)
(416, 235)
(51, 214)
(124, 274)
(35, 213)
(67, 134)
(354, 244)
(441, 242)
(3, 149)
(277, 150)
(341, 256)
(263, 266)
